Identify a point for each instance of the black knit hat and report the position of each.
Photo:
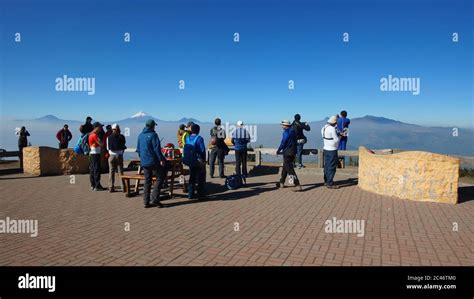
(195, 128)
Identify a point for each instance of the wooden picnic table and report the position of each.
(174, 165)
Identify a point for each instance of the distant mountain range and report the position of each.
(371, 131)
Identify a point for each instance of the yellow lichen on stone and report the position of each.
(413, 175)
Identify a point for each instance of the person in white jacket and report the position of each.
(331, 142)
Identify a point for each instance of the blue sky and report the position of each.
(279, 41)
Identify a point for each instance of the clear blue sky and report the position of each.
(280, 41)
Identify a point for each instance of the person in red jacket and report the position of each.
(64, 136)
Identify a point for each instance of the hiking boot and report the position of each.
(156, 204)
(147, 205)
(280, 185)
(297, 188)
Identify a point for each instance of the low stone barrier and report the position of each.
(43, 160)
(413, 175)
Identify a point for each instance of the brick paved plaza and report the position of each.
(277, 227)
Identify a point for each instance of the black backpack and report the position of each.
(235, 181)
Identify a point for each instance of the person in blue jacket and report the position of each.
(343, 129)
(152, 162)
(240, 139)
(197, 173)
(287, 148)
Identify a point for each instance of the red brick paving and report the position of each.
(277, 227)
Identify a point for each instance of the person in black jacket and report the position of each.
(116, 147)
(218, 148)
(299, 127)
(22, 142)
(87, 126)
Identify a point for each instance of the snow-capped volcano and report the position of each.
(139, 114)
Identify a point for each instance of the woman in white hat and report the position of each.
(288, 149)
(331, 141)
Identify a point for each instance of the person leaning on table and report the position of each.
(331, 142)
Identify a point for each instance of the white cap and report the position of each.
(332, 120)
(114, 126)
(240, 123)
(285, 122)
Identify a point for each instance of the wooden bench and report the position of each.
(169, 182)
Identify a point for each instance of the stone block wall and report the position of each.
(43, 160)
(413, 175)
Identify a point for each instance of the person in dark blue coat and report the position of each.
(152, 162)
(287, 148)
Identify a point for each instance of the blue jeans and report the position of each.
(342, 144)
(299, 153)
(330, 165)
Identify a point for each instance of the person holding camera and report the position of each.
(299, 128)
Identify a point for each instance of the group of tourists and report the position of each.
(98, 144)
(110, 144)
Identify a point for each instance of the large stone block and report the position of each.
(43, 160)
(413, 175)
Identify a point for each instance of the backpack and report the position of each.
(82, 145)
(234, 181)
(190, 156)
(213, 140)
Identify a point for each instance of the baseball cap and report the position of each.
(150, 123)
(97, 124)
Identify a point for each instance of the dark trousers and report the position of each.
(63, 145)
(299, 153)
(241, 162)
(149, 172)
(216, 154)
(197, 176)
(94, 170)
(20, 150)
(330, 165)
(288, 169)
